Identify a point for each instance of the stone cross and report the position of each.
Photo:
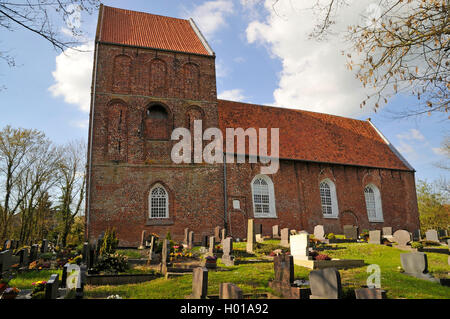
(275, 232)
(300, 246)
(199, 283)
(402, 237)
(230, 291)
(375, 237)
(51, 287)
(284, 237)
(250, 236)
(432, 235)
(227, 249)
(325, 284)
(319, 232)
(351, 232)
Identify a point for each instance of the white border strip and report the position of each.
(201, 37)
(393, 149)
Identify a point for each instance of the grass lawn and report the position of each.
(252, 275)
(24, 280)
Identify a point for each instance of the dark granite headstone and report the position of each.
(44, 246)
(51, 287)
(34, 252)
(325, 284)
(5, 261)
(416, 235)
(186, 236)
(24, 259)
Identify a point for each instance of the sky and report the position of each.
(263, 56)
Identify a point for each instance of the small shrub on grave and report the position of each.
(46, 256)
(416, 245)
(268, 249)
(38, 286)
(331, 236)
(111, 263)
(109, 243)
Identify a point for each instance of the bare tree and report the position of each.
(44, 18)
(402, 48)
(71, 185)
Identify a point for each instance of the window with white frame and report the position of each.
(263, 197)
(373, 203)
(328, 198)
(158, 202)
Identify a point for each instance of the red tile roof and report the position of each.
(311, 136)
(148, 30)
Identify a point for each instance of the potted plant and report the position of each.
(38, 290)
(211, 262)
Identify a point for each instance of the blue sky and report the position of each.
(262, 57)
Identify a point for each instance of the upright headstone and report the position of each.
(223, 234)
(199, 283)
(325, 284)
(164, 256)
(5, 261)
(34, 252)
(85, 253)
(375, 237)
(205, 241)
(191, 240)
(81, 282)
(432, 235)
(186, 236)
(416, 265)
(442, 233)
(51, 287)
(227, 248)
(250, 236)
(319, 232)
(300, 246)
(44, 246)
(351, 232)
(416, 235)
(230, 291)
(284, 277)
(284, 237)
(151, 250)
(217, 234)
(387, 231)
(276, 232)
(143, 239)
(24, 259)
(402, 237)
(212, 244)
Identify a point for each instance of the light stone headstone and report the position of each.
(164, 256)
(217, 234)
(151, 250)
(402, 237)
(230, 291)
(199, 283)
(142, 246)
(186, 236)
(284, 237)
(191, 240)
(325, 284)
(387, 231)
(319, 232)
(212, 243)
(416, 264)
(250, 236)
(350, 231)
(432, 235)
(375, 237)
(227, 249)
(300, 246)
(275, 232)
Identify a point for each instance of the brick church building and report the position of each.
(153, 74)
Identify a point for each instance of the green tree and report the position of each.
(434, 208)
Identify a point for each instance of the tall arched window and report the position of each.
(328, 199)
(263, 197)
(373, 203)
(158, 202)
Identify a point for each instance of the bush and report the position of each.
(416, 245)
(331, 236)
(113, 263)
(109, 243)
(46, 256)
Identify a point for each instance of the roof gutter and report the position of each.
(393, 149)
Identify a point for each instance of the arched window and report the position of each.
(373, 203)
(158, 202)
(263, 197)
(328, 199)
(157, 122)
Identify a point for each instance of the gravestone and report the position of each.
(370, 293)
(387, 231)
(300, 246)
(284, 278)
(284, 237)
(186, 236)
(24, 259)
(250, 236)
(375, 237)
(142, 246)
(432, 235)
(442, 233)
(230, 291)
(85, 253)
(416, 265)
(199, 283)
(293, 232)
(319, 232)
(276, 232)
(325, 284)
(223, 234)
(191, 240)
(416, 235)
(44, 246)
(258, 233)
(212, 244)
(217, 234)
(402, 237)
(227, 248)
(5, 261)
(34, 252)
(51, 287)
(81, 281)
(151, 251)
(351, 232)
(205, 241)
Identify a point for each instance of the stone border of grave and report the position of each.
(120, 279)
(334, 263)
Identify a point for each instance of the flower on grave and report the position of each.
(114, 297)
(11, 290)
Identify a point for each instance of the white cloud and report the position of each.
(440, 151)
(210, 16)
(412, 134)
(73, 76)
(80, 123)
(313, 76)
(232, 95)
(406, 148)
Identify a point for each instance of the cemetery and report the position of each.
(290, 264)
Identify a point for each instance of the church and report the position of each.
(153, 74)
